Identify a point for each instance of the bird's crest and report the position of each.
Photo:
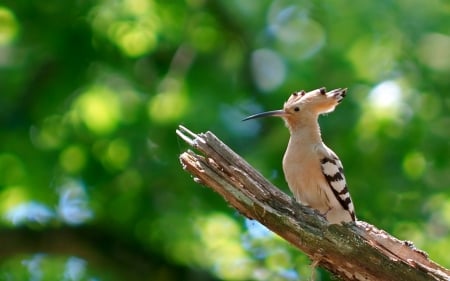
(318, 101)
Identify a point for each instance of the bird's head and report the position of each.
(305, 105)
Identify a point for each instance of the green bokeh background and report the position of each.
(91, 93)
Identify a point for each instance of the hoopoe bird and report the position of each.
(313, 171)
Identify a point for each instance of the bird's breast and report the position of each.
(301, 167)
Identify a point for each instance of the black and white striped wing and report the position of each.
(334, 174)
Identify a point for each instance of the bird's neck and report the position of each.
(305, 132)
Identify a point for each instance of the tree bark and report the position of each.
(352, 251)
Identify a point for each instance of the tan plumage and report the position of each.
(312, 170)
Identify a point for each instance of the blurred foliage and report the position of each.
(92, 91)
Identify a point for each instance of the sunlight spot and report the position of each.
(138, 7)
(132, 25)
(30, 212)
(256, 230)
(170, 104)
(75, 269)
(218, 225)
(73, 203)
(386, 110)
(133, 40)
(229, 114)
(380, 113)
(414, 165)
(299, 37)
(203, 33)
(12, 196)
(72, 159)
(8, 26)
(434, 51)
(386, 96)
(118, 154)
(268, 69)
(34, 266)
(220, 237)
(99, 109)
(278, 260)
(373, 59)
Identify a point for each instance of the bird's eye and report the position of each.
(296, 109)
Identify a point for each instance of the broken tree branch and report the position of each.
(355, 251)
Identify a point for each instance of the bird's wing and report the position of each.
(333, 171)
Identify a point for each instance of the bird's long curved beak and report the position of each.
(278, 113)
